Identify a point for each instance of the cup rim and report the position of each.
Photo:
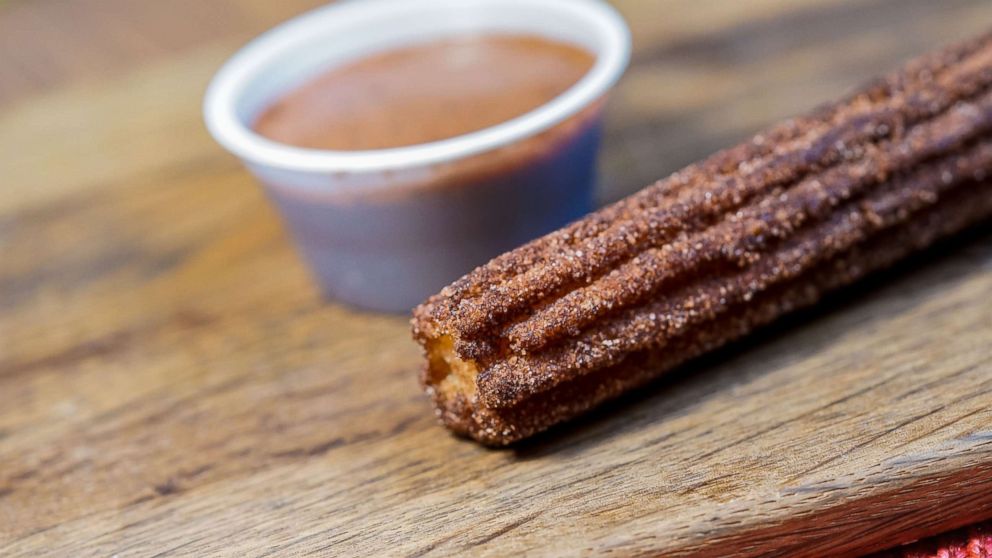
(220, 101)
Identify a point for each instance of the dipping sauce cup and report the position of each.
(384, 229)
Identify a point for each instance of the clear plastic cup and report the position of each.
(384, 229)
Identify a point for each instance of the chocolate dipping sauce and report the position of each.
(388, 241)
(425, 93)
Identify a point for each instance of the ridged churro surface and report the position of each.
(557, 326)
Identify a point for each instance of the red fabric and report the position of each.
(970, 542)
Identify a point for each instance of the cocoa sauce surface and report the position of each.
(424, 93)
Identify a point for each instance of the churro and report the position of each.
(602, 306)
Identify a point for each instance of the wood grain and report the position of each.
(171, 383)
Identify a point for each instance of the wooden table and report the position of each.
(171, 383)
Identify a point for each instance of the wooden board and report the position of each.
(171, 383)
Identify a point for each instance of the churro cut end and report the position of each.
(448, 373)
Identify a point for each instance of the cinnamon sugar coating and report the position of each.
(579, 316)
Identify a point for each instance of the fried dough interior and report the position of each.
(448, 373)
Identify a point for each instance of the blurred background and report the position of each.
(704, 74)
